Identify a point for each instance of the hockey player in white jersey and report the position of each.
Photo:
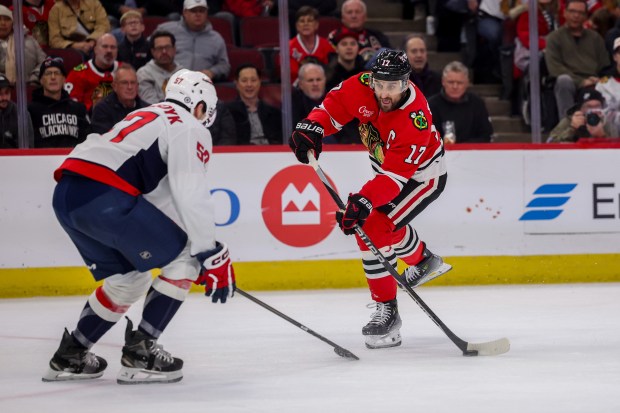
(134, 199)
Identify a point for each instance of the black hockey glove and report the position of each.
(357, 210)
(307, 135)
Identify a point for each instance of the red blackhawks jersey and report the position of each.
(322, 50)
(85, 79)
(161, 152)
(403, 143)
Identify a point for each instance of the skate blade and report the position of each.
(392, 339)
(128, 375)
(55, 375)
(444, 268)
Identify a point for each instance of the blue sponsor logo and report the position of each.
(235, 206)
(547, 203)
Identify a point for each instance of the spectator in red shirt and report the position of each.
(307, 42)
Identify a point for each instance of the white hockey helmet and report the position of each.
(190, 88)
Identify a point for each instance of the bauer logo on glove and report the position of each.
(355, 214)
(307, 136)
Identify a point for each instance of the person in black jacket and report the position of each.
(118, 104)
(8, 117)
(133, 48)
(309, 92)
(257, 123)
(58, 120)
(429, 81)
(223, 130)
(347, 61)
(460, 116)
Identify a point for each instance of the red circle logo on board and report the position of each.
(297, 209)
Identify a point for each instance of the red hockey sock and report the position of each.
(416, 256)
(382, 289)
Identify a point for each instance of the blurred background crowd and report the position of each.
(85, 64)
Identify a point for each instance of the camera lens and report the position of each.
(593, 119)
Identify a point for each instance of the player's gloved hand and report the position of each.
(218, 274)
(308, 135)
(357, 210)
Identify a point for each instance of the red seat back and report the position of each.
(238, 56)
(151, 23)
(224, 28)
(259, 31)
(327, 24)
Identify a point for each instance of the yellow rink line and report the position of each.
(301, 275)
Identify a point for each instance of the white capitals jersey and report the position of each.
(161, 152)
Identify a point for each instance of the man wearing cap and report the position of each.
(354, 18)
(586, 119)
(348, 62)
(58, 121)
(199, 46)
(8, 117)
(33, 54)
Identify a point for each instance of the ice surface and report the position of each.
(564, 357)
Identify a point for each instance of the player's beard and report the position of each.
(385, 106)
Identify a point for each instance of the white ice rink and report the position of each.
(565, 355)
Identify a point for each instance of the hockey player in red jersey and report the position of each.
(407, 158)
(134, 199)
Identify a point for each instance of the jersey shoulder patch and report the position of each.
(604, 79)
(80, 67)
(419, 120)
(364, 78)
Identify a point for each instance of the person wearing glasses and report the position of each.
(58, 120)
(118, 104)
(574, 55)
(153, 76)
(134, 47)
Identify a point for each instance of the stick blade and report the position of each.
(490, 348)
(342, 352)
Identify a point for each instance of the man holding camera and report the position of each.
(586, 119)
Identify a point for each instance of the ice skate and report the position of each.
(74, 362)
(145, 361)
(431, 266)
(383, 329)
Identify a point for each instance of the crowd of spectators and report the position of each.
(125, 67)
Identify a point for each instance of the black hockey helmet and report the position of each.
(391, 65)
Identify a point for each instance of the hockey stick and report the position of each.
(342, 352)
(490, 348)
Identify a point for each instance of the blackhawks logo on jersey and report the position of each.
(372, 140)
(419, 119)
(364, 79)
